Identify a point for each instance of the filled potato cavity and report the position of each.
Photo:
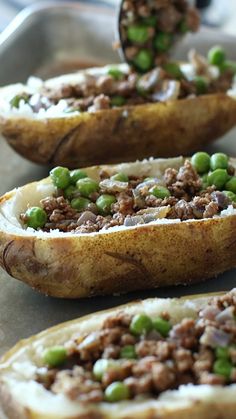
(139, 355)
(184, 189)
(151, 223)
(156, 356)
(117, 86)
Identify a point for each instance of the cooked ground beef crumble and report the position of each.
(197, 351)
(179, 194)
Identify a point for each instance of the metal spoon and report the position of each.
(148, 30)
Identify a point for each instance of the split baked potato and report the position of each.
(111, 114)
(40, 376)
(119, 253)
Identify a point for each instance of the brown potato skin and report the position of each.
(145, 257)
(123, 134)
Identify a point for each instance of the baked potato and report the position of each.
(179, 363)
(161, 226)
(112, 114)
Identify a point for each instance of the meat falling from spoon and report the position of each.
(149, 29)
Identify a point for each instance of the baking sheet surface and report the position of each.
(24, 312)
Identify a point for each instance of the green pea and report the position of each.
(116, 392)
(118, 101)
(140, 324)
(70, 191)
(223, 367)
(150, 21)
(80, 203)
(60, 177)
(143, 60)
(218, 178)
(87, 186)
(228, 66)
(222, 352)
(219, 161)
(173, 70)
(201, 162)
(138, 34)
(230, 195)
(15, 101)
(160, 192)
(55, 356)
(162, 41)
(128, 352)
(104, 203)
(162, 326)
(121, 177)
(204, 181)
(36, 217)
(115, 73)
(183, 26)
(231, 185)
(201, 85)
(76, 175)
(101, 366)
(216, 56)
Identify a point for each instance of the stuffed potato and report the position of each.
(109, 229)
(159, 358)
(113, 114)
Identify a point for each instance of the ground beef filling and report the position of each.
(197, 351)
(179, 194)
(116, 88)
(149, 29)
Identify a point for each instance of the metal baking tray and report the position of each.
(45, 40)
(50, 38)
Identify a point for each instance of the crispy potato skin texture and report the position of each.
(123, 134)
(195, 409)
(131, 259)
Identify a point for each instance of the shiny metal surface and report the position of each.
(43, 38)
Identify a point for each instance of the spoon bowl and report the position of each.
(147, 31)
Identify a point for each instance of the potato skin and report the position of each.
(121, 260)
(217, 409)
(147, 256)
(122, 134)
